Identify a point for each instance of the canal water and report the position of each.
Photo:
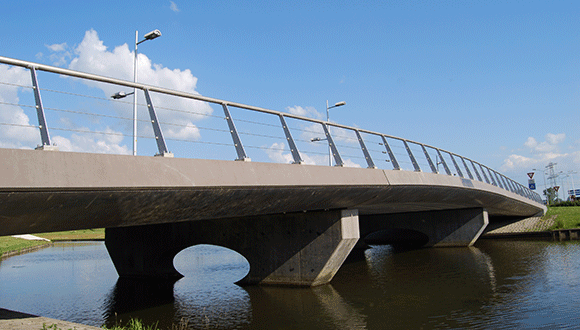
(494, 285)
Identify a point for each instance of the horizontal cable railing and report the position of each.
(373, 149)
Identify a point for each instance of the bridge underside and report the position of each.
(153, 207)
(298, 249)
(45, 210)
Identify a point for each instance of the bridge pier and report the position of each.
(298, 249)
(447, 228)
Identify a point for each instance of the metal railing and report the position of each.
(451, 162)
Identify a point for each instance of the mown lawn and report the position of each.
(75, 235)
(567, 216)
(10, 244)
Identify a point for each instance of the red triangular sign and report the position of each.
(556, 188)
(531, 175)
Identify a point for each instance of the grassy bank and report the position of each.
(15, 245)
(10, 245)
(134, 324)
(75, 235)
(567, 217)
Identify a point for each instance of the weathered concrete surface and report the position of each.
(12, 320)
(448, 228)
(299, 249)
(43, 191)
(530, 224)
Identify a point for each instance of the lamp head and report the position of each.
(338, 104)
(118, 95)
(152, 35)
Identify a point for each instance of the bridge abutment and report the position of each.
(447, 228)
(298, 249)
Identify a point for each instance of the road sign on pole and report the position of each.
(531, 175)
(532, 183)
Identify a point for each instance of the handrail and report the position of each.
(495, 178)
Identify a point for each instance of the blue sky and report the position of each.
(495, 81)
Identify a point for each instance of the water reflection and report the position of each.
(499, 285)
(417, 288)
(133, 295)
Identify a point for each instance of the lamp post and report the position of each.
(338, 104)
(149, 36)
(545, 187)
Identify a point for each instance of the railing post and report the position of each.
(391, 155)
(475, 170)
(443, 162)
(433, 168)
(466, 168)
(291, 144)
(368, 158)
(519, 189)
(44, 136)
(235, 136)
(332, 146)
(507, 183)
(456, 166)
(491, 177)
(525, 191)
(161, 146)
(483, 172)
(500, 182)
(413, 160)
(510, 184)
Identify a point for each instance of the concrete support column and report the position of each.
(303, 249)
(461, 227)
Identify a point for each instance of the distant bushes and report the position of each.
(566, 203)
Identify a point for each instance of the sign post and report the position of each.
(531, 181)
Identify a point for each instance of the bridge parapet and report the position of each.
(400, 153)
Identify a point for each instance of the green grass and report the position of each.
(75, 235)
(11, 244)
(567, 217)
(134, 324)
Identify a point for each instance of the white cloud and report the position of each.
(276, 152)
(60, 54)
(550, 145)
(107, 143)
(93, 56)
(531, 143)
(350, 163)
(538, 154)
(189, 132)
(305, 112)
(57, 47)
(173, 6)
(517, 161)
(555, 138)
(14, 132)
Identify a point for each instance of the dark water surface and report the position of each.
(494, 285)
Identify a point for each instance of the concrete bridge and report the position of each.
(294, 223)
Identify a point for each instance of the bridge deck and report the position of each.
(51, 191)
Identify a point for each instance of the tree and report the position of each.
(550, 194)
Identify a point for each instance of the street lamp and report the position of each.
(120, 95)
(338, 104)
(149, 36)
(545, 186)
